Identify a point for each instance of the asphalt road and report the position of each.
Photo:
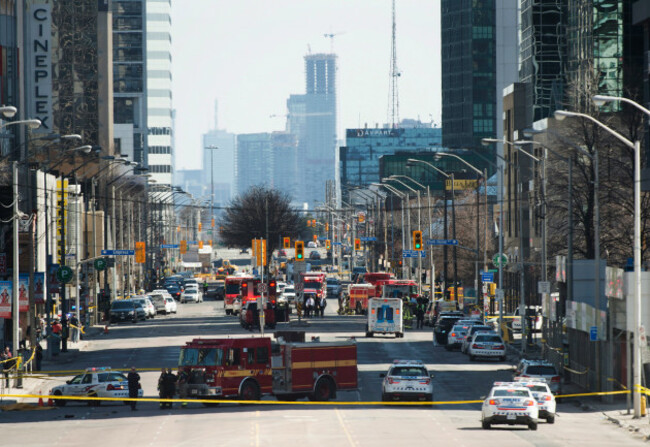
(155, 343)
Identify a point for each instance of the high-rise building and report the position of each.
(159, 91)
(129, 79)
(142, 84)
(253, 161)
(219, 163)
(312, 118)
(359, 158)
(479, 56)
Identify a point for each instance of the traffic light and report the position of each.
(357, 244)
(200, 226)
(140, 256)
(309, 222)
(327, 227)
(300, 251)
(200, 245)
(417, 240)
(328, 244)
(272, 290)
(183, 247)
(286, 243)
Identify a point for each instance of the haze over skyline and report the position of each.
(249, 56)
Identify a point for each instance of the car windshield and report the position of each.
(488, 338)
(511, 393)
(289, 290)
(190, 292)
(458, 328)
(201, 357)
(332, 282)
(120, 305)
(408, 371)
(540, 370)
(232, 289)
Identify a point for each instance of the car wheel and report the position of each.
(486, 425)
(324, 391)
(59, 402)
(135, 320)
(532, 425)
(550, 420)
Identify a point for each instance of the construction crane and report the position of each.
(331, 36)
(393, 91)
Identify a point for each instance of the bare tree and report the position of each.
(261, 212)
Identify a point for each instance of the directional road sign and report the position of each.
(414, 254)
(442, 242)
(169, 246)
(368, 239)
(118, 252)
(487, 277)
(337, 243)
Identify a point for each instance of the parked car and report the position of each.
(334, 288)
(147, 305)
(509, 403)
(159, 303)
(487, 345)
(170, 305)
(407, 380)
(175, 291)
(442, 327)
(192, 295)
(95, 382)
(540, 369)
(470, 333)
(126, 310)
(314, 254)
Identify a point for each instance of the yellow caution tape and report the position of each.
(81, 329)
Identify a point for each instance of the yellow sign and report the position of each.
(183, 247)
(200, 245)
(461, 184)
(140, 254)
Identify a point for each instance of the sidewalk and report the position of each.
(42, 384)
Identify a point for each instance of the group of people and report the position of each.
(314, 305)
(169, 384)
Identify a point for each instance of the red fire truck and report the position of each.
(359, 296)
(231, 300)
(249, 368)
(397, 287)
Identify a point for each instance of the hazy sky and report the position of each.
(248, 55)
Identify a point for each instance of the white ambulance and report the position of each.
(385, 317)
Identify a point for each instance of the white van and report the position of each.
(385, 317)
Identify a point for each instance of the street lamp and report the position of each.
(401, 195)
(636, 146)
(8, 111)
(32, 123)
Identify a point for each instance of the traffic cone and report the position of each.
(50, 402)
(40, 399)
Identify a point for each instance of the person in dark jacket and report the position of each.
(167, 385)
(133, 378)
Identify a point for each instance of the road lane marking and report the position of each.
(345, 429)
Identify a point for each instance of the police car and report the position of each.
(486, 344)
(94, 382)
(407, 380)
(510, 403)
(543, 395)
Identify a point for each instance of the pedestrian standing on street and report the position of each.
(310, 305)
(167, 384)
(7, 364)
(181, 386)
(74, 324)
(133, 378)
(321, 306)
(419, 314)
(38, 356)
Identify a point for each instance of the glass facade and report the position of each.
(469, 79)
(359, 158)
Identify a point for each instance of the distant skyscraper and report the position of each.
(219, 163)
(312, 118)
(253, 161)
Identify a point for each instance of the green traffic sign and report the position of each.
(500, 259)
(100, 264)
(64, 274)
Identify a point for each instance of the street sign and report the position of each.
(414, 254)
(368, 239)
(501, 259)
(262, 287)
(298, 287)
(64, 274)
(169, 246)
(337, 243)
(100, 264)
(118, 252)
(544, 287)
(442, 242)
(487, 277)
(593, 333)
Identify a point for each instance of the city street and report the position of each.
(155, 343)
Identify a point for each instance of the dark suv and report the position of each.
(126, 310)
(443, 325)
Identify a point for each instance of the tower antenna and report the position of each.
(393, 92)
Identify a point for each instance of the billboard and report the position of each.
(5, 299)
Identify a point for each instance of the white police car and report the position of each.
(543, 395)
(407, 380)
(510, 403)
(95, 382)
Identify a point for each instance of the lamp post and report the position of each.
(636, 146)
(401, 196)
